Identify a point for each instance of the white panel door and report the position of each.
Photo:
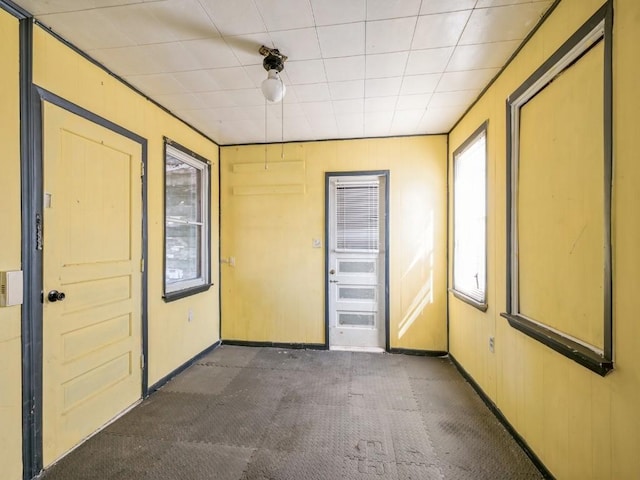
(356, 263)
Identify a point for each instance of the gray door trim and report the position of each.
(327, 178)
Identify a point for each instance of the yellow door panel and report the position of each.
(92, 249)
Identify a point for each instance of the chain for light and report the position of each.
(265, 134)
(282, 124)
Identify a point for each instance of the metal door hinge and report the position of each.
(142, 265)
(141, 169)
(141, 362)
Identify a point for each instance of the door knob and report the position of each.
(332, 271)
(56, 296)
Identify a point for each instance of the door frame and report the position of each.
(32, 181)
(327, 212)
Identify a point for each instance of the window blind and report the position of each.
(358, 216)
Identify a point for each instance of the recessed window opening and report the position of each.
(187, 224)
(469, 219)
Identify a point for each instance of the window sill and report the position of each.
(474, 303)
(561, 344)
(187, 292)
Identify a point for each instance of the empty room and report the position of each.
(319, 239)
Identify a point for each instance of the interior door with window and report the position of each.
(92, 251)
(356, 262)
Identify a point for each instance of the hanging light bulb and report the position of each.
(273, 88)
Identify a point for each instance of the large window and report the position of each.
(187, 222)
(469, 219)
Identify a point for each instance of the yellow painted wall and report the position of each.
(581, 425)
(172, 338)
(10, 239)
(275, 291)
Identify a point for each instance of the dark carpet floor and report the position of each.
(243, 413)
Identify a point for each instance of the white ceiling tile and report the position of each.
(323, 126)
(382, 87)
(498, 3)
(297, 44)
(305, 71)
(285, 14)
(39, 7)
(386, 64)
(466, 80)
(147, 59)
(341, 40)
(245, 47)
(246, 97)
(91, 29)
(210, 53)
(200, 58)
(440, 119)
(348, 106)
(234, 18)
(483, 55)
(346, 68)
(440, 30)
(314, 92)
(230, 78)
(454, 99)
(406, 122)
(293, 110)
(350, 125)
(317, 109)
(197, 81)
(335, 12)
(379, 9)
(158, 84)
(256, 112)
(159, 22)
(227, 114)
(420, 84)
(442, 6)
(179, 101)
(408, 116)
(296, 129)
(390, 35)
(433, 60)
(413, 102)
(347, 90)
(380, 104)
(377, 124)
(502, 23)
(215, 99)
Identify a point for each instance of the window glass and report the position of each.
(186, 222)
(470, 217)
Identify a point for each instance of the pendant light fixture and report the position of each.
(273, 87)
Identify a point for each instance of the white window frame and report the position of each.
(175, 288)
(461, 289)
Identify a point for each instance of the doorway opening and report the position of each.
(357, 261)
